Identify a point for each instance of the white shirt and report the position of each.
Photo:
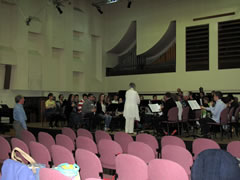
(180, 110)
(103, 107)
(114, 102)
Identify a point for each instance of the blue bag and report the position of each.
(35, 167)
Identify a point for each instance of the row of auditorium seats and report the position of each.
(129, 167)
(145, 147)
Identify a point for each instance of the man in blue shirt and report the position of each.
(216, 112)
(19, 116)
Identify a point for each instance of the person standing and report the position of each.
(131, 112)
(50, 110)
(19, 116)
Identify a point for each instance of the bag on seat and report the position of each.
(35, 167)
(70, 170)
(15, 170)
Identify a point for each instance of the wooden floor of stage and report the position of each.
(45, 127)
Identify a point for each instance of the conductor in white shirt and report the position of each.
(131, 112)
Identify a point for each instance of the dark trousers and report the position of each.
(117, 122)
(90, 120)
(205, 127)
(51, 117)
(157, 123)
(76, 120)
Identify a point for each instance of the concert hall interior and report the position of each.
(88, 51)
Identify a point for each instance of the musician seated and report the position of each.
(165, 107)
(89, 112)
(178, 100)
(179, 92)
(216, 112)
(204, 112)
(102, 113)
(120, 107)
(115, 99)
(50, 110)
(60, 108)
(76, 120)
(188, 96)
(155, 97)
(234, 104)
(118, 120)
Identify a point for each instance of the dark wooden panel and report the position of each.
(130, 63)
(35, 108)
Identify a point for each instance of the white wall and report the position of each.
(54, 53)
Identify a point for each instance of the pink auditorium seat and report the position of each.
(108, 151)
(150, 140)
(27, 137)
(129, 167)
(5, 149)
(201, 144)
(179, 155)
(22, 145)
(51, 174)
(224, 120)
(172, 140)
(123, 139)
(61, 155)
(234, 148)
(69, 132)
(40, 153)
(172, 118)
(84, 132)
(141, 150)
(83, 142)
(166, 170)
(46, 139)
(65, 141)
(90, 164)
(99, 134)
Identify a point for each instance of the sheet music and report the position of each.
(194, 104)
(155, 108)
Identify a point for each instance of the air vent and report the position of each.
(229, 44)
(197, 48)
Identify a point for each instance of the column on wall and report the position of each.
(213, 46)
(180, 48)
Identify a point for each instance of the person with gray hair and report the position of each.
(19, 116)
(131, 112)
